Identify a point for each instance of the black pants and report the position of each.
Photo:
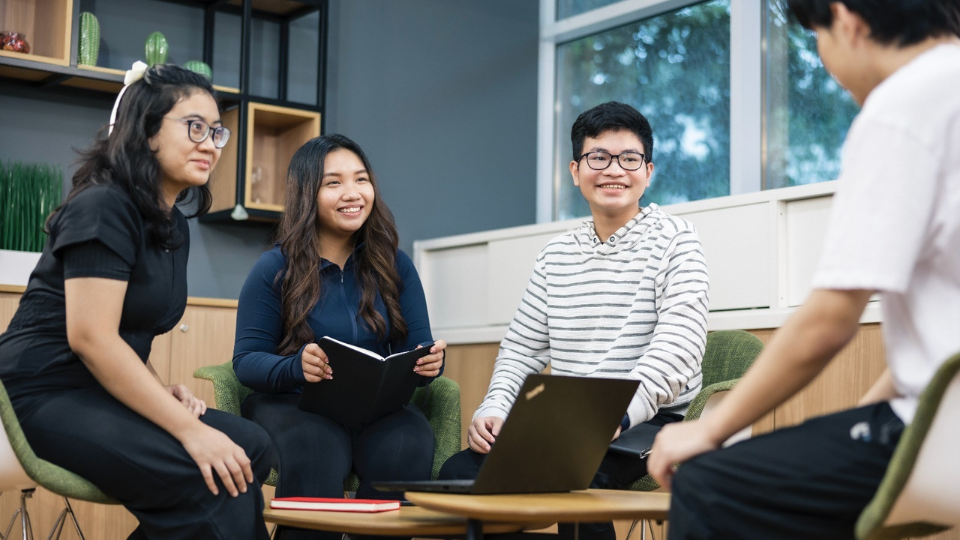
(133, 460)
(317, 454)
(616, 471)
(808, 481)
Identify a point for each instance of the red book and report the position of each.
(334, 505)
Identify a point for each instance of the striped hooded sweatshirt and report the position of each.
(633, 307)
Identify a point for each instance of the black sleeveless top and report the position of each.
(101, 222)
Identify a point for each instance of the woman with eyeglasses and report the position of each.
(111, 277)
(336, 271)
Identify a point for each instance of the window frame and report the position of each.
(747, 95)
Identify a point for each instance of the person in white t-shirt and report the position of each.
(895, 231)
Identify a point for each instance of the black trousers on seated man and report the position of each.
(807, 481)
(616, 471)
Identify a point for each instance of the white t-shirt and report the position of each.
(895, 226)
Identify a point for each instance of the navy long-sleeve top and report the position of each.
(260, 327)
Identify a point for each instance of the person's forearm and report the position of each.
(795, 355)
(121, 372)
(882, 390)
(265, 372)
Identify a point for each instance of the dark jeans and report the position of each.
(133, 460)
(317, 454)
(616, 471)
(808, 481)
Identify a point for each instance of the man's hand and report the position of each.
(677, 443)
(483, 432)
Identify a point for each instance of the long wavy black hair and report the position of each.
(300, 237)
(124, 157)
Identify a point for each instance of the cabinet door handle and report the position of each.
(184, 328)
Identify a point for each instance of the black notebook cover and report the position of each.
(636, 441)
(364, 387)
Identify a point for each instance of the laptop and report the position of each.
(553, 440)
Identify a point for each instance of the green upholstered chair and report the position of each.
(439, 401)
(21, 469)
(920, 493)
(728, 355)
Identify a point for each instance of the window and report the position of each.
(569, 8)
(734, 90)
(807, 112)
(675, 69)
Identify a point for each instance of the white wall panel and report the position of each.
(739, 245)
(455, 283)
(762, 250)
(509, 265)
(806, 228)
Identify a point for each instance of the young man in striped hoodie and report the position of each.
(622, 296)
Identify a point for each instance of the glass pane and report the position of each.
(807, 112)
(569, 8)
(675, 69)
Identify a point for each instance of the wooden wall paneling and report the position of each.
(471, 366)
(101, 521)
(952, 534)
(766, 423)
(203, 337)
(841, 384)
(622, 527)
(8, 306)
(160, 356)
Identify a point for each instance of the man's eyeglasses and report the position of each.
(600, 160)
(198, 131)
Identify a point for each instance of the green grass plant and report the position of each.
(28, 193)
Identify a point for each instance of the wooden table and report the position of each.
(408, 521)
(573, 507)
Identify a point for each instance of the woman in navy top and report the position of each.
(112, 276)
(337, 272)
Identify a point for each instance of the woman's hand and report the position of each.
(193, 404)
(429, 366)
(315, 364)
(214, 452)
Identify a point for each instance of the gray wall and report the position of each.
(441, 94)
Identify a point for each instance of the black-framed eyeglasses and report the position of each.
(599, 160)
(198, 131)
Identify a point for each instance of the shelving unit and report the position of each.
(266, 131)
(46, 26)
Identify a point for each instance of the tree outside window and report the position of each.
(675, 69)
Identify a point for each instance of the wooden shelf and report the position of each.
(274, 135)
(47, 26)
(267, 131)
(119, 73)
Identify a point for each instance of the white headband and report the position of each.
(133, 75)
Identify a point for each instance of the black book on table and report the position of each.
(365, 386)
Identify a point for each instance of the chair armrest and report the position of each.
(698, 403)
(440, 403)
(227, 390)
